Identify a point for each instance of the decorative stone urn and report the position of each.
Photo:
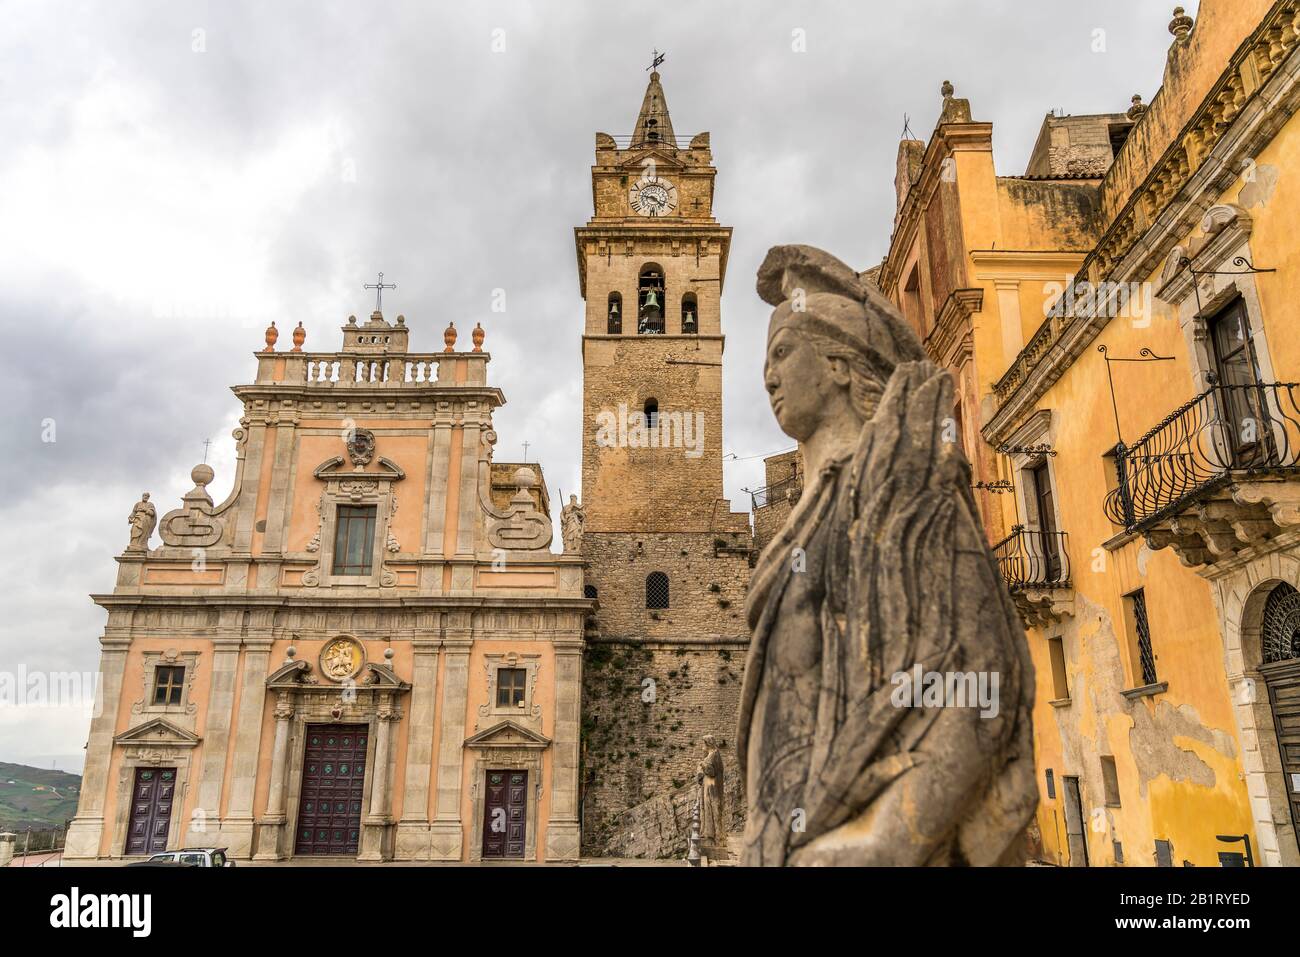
(478, 335)
(272, 334)
(299, 337)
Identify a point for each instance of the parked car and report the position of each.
(188, 857)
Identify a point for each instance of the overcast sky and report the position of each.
(174, 175)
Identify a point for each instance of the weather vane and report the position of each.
(379, 288)
(658, 58)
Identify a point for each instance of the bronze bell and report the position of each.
(613, 309)
(651, 300)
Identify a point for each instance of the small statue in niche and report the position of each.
(143, 520)
(571, 518)
(881, 575)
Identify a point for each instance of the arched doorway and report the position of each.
(1280, 667)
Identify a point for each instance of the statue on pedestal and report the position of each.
(571, 518)
(711, 779)
(143, 519)
(879, 618)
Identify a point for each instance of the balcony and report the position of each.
(1035, 564)
(1216, 476)
(786, 490)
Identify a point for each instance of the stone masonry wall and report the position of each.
(641, 742)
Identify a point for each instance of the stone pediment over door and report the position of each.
(507, 734)
(158, 733)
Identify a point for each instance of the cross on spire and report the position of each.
(206, 443)
(379, 288)
(526, 444)
(656, 59)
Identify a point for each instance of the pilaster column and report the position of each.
(87, 828)
(206, 819)
(447, 829)
(413, 829)
(563, 837)
(374, 843)
(237, 829)
(270, 827)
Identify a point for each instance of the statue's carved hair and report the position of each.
(865, 385)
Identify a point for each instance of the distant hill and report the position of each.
(36, 797)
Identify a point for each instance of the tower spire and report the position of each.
(654, 127)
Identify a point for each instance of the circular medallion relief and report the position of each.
(342, 658)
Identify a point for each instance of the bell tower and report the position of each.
(666, 559)
(651, 263)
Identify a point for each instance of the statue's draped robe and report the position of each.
(713, 823)
(882, 566)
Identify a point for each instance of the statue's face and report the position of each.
(800, 382)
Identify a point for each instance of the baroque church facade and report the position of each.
(371, 650)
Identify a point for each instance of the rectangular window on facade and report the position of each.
(511, 684)
(1139, 635)
(1051, 785)
(1164, 854)
(354, 539)
(1110, 780)
(1060, 688)
(1119, 852)
(168, 684)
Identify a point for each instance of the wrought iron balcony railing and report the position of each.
(1226, 431)
(1031, 558)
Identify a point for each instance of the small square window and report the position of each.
(511, 685)
(168, 684)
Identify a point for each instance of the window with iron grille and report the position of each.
(1135, 606)
(511, 684)
(1119, 852)
(656, 590)
(168, 684)
(1051, 785)
(354, 539)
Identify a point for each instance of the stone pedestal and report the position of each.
(7, 847)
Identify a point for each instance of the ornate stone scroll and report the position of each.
(521, 526)
(193, 525)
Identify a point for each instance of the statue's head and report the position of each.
(832, 343)
(144, 496)
(573, 500)
(710, 741)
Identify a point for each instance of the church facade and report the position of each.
(368, 650)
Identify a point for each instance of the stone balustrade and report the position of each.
(342, 370)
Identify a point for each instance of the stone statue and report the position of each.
(710, 777)
(880, 579)
(142, 521)
(571, 518)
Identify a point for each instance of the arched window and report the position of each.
(651, 413)
(656, 590)
(615, 314)
(690, 315)
(1281, 625)
(650, 300)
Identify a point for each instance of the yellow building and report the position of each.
(1124, 352)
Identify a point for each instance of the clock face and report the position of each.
(653, 196)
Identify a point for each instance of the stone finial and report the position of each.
(352, 320)
(201, 475)
(1138, 107)
(299, 337)
(947, 89)
(272, 334)
(401, 320)
(1181, 25)
(449, 337)
(478, 335)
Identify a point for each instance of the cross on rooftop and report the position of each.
(526, 444)
(206, 443)
(379, 288)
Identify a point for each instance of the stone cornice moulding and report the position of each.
(946, 342)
